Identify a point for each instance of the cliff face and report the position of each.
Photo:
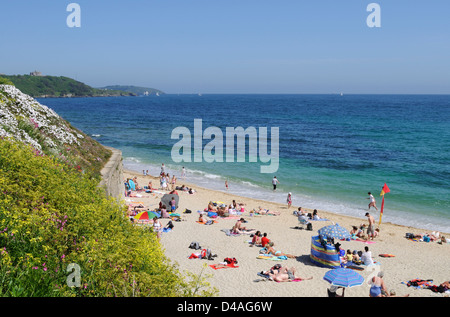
(24, 119)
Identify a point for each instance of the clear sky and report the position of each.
(233, 46)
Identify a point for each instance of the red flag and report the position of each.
(385, 190)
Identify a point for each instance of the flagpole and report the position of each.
(381, 210)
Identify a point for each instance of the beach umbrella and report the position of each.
(343, 277)
(145, 215)
(334, 231)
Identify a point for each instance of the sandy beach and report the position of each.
(413, 260)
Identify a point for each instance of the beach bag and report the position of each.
(169, 225)
(230, 260)
(309, 226)
(187, 211)
(205, 253)
(195, 245)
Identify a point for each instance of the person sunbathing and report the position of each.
(222, 211)
(274, 270)
(262, 211)
(211, 207)
(256, 239)
(272, 251)
(201, 219)
(286, 274)
(445, 285)
(164, 212)
(239, 228)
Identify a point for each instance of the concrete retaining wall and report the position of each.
(112, 175)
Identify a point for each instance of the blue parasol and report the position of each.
(334, 231)
(343, 277)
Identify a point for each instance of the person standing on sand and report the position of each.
(174, 181)
(370, 228)
(378, 288)
(372, 201)
(289, 200)
(274, 183)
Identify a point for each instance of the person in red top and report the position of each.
(264, 240)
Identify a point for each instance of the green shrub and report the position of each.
(52, 215)
(5, 81)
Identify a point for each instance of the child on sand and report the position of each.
(289, 200)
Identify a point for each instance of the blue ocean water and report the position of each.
(333, 149)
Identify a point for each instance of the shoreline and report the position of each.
(321, 211)
(412, 259)
(402, 216)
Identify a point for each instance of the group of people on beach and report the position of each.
(224, 210)
(278, 272)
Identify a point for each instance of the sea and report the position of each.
(332, 149)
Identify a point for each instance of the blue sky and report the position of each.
(229, 46)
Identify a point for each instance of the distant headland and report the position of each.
(39, 86)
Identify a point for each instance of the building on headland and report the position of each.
(35, 73)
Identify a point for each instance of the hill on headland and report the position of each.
(135, 90)
(54, 86)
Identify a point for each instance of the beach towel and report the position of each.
(209, 222)
(136, 204)
(353, 266)
(268, 278)
(374, 263)
(419, 283)
(229, 233)
(221, 266)
(294, 280)
(365, 241)
(230, 217)
(272, 257)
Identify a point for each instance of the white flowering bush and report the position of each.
(17, 107)
(26, 120)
